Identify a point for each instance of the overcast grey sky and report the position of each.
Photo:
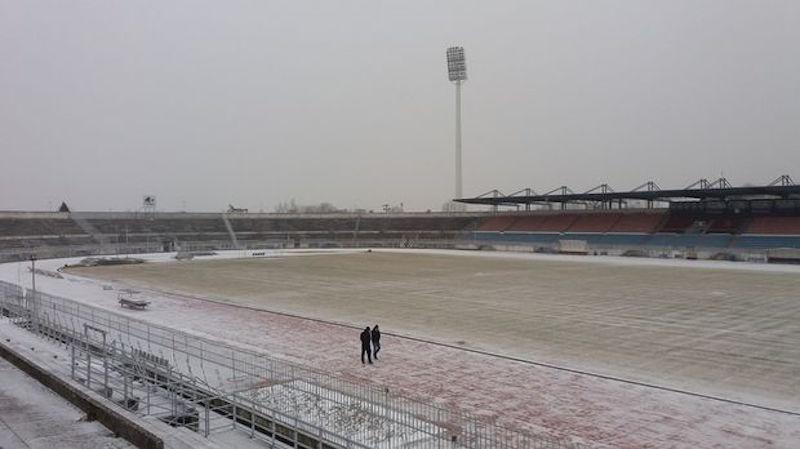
(205, 103)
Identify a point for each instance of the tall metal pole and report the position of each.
(33, 295)
(33, 274)
(458, 140)
(457, 74)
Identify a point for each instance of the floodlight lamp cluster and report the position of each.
(456, 64)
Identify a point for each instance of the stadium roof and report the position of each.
(721, 189)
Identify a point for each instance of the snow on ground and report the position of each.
(32, 416)
(541, 399)
(366, 423)
(614, 260)
(722, 332)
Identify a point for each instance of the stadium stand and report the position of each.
(727, 225)
(599, 222)
(500, 223)
(38, 226)
(516, 237)
(678, 223)
(774, 225)
(714, 217)
(159, 226)
(544, 223)
(639, 222)
(746, 229)
(765, 242)
(624, 240)
(679, 241)
(558, 223)
(526, 224)
(708, 218)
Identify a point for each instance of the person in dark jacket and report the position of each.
(376, 341)
(365, 339)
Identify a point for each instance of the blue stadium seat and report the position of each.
(516, 237)
(590, 238)
(690, 240)
(625, 239)
(767, 241)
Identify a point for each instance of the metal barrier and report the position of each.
(205, 385)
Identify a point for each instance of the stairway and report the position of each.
(355, 230)
(232, 234)
(90, 230)
(740, 229)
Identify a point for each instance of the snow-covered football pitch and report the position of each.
(621, 352)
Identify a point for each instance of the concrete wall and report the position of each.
(95, 409)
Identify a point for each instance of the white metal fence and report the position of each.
(163, 371)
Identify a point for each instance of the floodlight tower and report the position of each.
(457, 72)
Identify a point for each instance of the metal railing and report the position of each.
(222, 386)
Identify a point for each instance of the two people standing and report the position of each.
(370, 336)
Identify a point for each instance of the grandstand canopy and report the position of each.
(781, 188)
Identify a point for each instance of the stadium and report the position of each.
(360, 294)
(602, 319)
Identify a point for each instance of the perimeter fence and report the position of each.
(207, 385)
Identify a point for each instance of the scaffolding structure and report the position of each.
(208, 386)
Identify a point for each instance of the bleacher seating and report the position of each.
(761, 242)
(638, 222)
(624, 240)
(677, 223)
(13, 243)
(598, 222)
(774, 225)
(689, 240)
(319, 224)
(517, 237)
(370, 223)
(25, 234)
(158, 226)
(500, 223)
(592, 238)
(249, 225)
(558, 223)
(423, 223)
(544, 223)
(526, 224)
(602, 230)
(33, 226)
(727, 225)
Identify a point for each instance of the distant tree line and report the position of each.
(291, 207)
